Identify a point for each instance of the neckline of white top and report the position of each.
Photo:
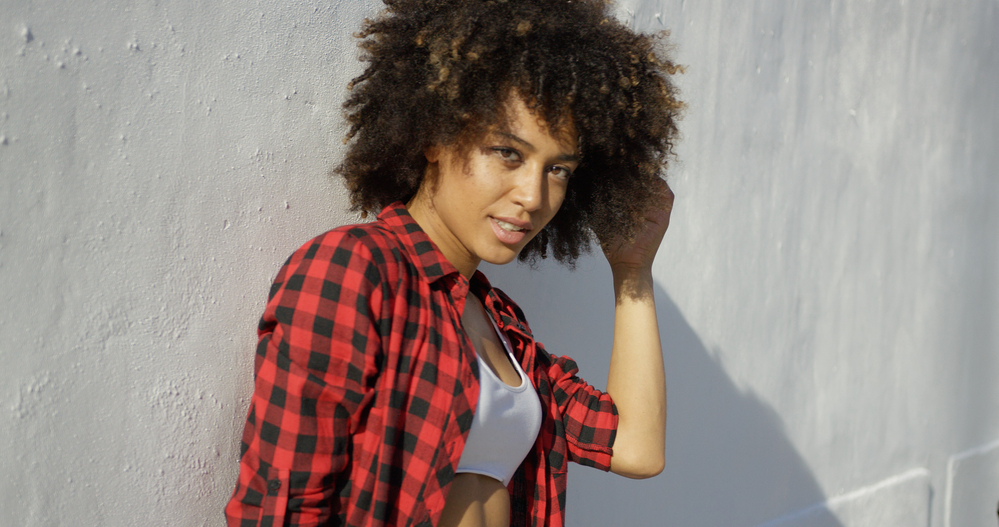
(509, 352)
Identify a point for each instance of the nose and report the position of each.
(529, 188)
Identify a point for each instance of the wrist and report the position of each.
(632, 282)
(628, 271)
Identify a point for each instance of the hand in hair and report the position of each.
(639, 252)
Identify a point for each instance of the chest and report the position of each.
(429, 375)
(426, 391)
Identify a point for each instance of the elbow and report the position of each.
(650, 468)
(657, 468)
(640, 452)
(642, 467)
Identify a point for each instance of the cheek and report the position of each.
(556, 196)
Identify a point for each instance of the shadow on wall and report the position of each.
(728, 460)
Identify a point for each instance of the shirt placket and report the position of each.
(457, 288)
(522, 341)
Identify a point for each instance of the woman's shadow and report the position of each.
(728, 460)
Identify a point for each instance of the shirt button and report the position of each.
(273, 484)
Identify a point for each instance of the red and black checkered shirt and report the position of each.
(366, 385)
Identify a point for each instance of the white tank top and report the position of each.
(505, 425)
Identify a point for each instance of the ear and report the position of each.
(432, 153)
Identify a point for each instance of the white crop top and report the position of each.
(505, 425)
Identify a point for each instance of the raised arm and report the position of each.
(637, 381)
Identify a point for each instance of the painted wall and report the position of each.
(828, 290)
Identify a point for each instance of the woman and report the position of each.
(394, 384)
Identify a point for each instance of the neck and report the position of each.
(422, 210)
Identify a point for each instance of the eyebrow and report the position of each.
(516, 139)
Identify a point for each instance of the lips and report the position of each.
(510, 231)
(508, 226)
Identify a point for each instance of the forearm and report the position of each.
(637, 380)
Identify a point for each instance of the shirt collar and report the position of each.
(431, 263)
(432, 266)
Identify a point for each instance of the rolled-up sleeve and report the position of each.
(318, 351)
(588, 414)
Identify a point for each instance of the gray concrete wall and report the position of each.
(828, 290)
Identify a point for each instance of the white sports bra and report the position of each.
(505, 425)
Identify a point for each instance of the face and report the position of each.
(488, 201)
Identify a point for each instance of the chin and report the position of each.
(502, 258)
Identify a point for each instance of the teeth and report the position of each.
(508, 226)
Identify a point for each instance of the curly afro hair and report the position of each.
(440, 71)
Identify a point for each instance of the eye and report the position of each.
(507, 154)
(560, 172)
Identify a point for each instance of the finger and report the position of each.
(665, 193)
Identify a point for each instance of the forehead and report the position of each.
(522, 121)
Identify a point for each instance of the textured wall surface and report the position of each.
(828, 290)
(159, 161)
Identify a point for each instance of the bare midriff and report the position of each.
(475, 500)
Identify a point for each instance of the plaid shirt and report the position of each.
(366, 386)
